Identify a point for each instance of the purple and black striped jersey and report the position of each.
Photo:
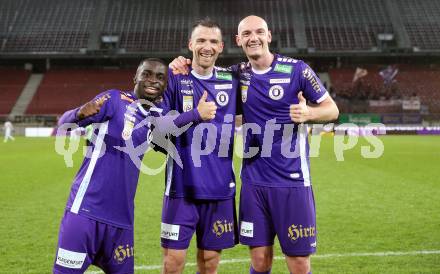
(206, 148)
(282, 158)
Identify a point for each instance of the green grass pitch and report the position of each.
(366, 208)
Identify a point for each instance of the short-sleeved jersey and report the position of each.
(105, 185)
(282, 159)
(207, 176)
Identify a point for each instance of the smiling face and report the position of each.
(254, 37)
(150, 80)
(206, 44)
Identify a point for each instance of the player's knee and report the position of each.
(300, 264)
(208, 261)
(261, 261)
(173, 264)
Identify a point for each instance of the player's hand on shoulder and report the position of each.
(207, 110)
(92, 107)
(300, 113)
(180, 65)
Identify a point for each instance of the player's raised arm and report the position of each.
(97, 110)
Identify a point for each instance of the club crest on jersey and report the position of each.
(244, 90)
(187, 103)
(128, 129)
(276, 92)
(222, 98)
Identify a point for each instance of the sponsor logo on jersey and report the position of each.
(222, 98)
(70, 259)
(187, 103)
(276, 92)
(280, 81)
(247, 229)
(170, 232)
(244, 90)
(186, 91)
(224, 75)
(186, 82)
(128, 129)
(224, 86)
(221, 227)
(123, 252)
(283, 68)
(295, 232)
(309, 75)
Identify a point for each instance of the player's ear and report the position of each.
(269, 36)
(237, 40)
(222, 45)
(190, 46)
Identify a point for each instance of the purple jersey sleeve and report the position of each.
(167, 104)
(313, 89)
(104, 114)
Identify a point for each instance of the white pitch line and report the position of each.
(319, 256)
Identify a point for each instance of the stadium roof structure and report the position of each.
(116, 28)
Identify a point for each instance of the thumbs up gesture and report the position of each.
(206, 109)
(300, 113)
(92, 107)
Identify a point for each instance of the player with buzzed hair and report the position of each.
(97, 227)
(200, 195)
(276, 197)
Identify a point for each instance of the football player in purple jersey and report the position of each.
(200, 195)
(279, 94)
(97, 227)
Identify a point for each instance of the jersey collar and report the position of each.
(264, 71)
(202, 77)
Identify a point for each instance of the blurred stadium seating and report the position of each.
(162, 26)
(68, 88)
(12, 82)
(71, 43)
